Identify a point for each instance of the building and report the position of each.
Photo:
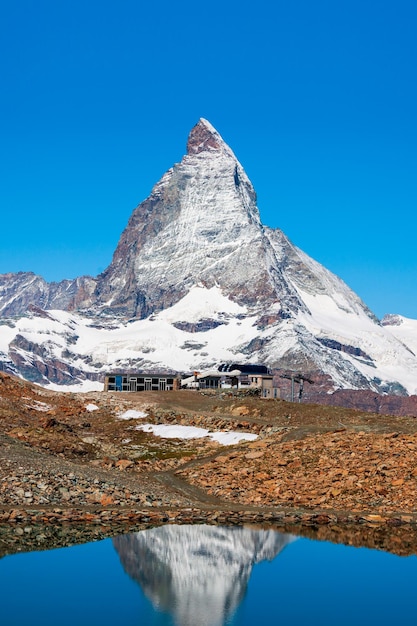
(141, 382)
(235, 375)
(227, 376)
(208, 379)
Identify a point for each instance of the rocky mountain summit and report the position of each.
(197, 279)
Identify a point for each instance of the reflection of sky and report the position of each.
(308, 583)
(321, 584)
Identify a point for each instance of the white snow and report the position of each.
(155, 343)
(229, 438)
(39, 406)
(405, 330)
(175, 431)
(82, 387)
(132, 414)
(201, 303)
(92, 407)
(391, 360)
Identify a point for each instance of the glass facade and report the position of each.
(135, 382)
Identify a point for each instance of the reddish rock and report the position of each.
(123, 464)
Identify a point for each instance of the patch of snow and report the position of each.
(175, 431)
(132, 414)
(92, 407)
(229, 438)
(39, 406)
(82, 387)
(201, 303)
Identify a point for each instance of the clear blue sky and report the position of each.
(317, 99)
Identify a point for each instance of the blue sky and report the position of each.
(317, 100)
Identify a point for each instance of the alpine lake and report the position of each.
(207, 575)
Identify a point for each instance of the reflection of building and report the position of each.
(234, 375)
(141, 382)
(198, 574)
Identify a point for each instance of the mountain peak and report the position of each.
(204, 138)
(230, 289)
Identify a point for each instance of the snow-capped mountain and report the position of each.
(198, 574)
(196, 279)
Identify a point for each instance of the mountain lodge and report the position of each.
(227, 376)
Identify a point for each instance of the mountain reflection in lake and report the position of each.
(198, 574)
(205, 575)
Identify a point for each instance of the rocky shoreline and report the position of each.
(31, 529)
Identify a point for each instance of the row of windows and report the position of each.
(141, 380)
(139, 383)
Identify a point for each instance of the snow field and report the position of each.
(173, 431)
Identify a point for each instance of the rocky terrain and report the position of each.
(80, 459)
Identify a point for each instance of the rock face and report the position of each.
(19, 292)
(196, 279)
(366, 400)
(198, 574)
(200, 225)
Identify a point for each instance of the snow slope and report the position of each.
(77, 344)
(402, 328)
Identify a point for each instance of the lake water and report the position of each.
(207, 576)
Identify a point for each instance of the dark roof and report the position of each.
(144, 374)
(247, 368)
